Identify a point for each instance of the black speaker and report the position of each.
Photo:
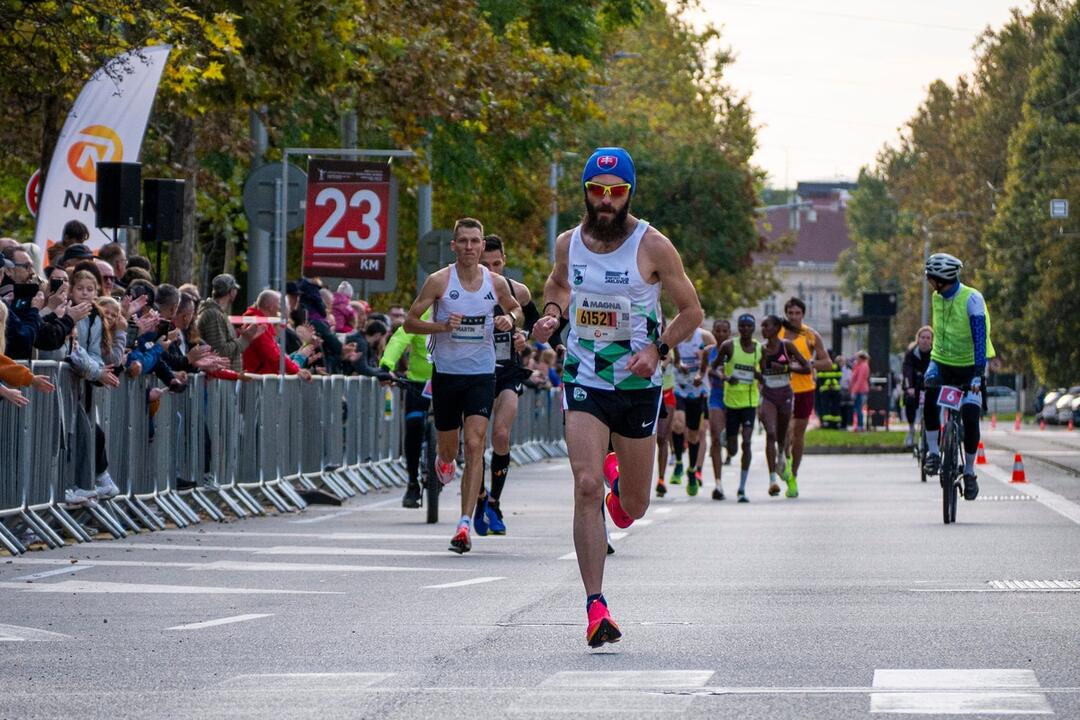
(879, 304)
(117, 201)
(163, 210)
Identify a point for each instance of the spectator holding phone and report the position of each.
(21, 292)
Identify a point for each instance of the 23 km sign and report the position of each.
(350, 229)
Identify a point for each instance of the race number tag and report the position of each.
(602, 317)
(950, 397)
(777, 380)
(471, 329)
(426, 392)
(743, 374)
(503, 343)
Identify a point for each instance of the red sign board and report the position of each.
(33, 192)
(350, 220)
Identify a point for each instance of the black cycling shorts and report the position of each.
(695, 409)
(630, 413)
(738, 418)
(454, 397)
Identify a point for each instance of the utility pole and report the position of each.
(258, 253)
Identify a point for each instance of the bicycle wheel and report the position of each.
(950, 468)
(432, 486)
(920, 453)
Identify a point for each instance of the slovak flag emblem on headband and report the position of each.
(607, 162)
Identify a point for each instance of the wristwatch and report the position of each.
(661, 348)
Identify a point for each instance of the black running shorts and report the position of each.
(738, 418)
(694, 407)
(630, 413)
(454, 397)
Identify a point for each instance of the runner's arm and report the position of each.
(820, 359)
(556, 293)
(433, 288)
(504, 295)
(802, 363)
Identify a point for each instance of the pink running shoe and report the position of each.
(444, 471)
(611, 468)
(602, 629)
(618, 516)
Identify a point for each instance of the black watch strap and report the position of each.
(661, 348)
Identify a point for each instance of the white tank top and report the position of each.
(470, 349)
(689, 356)
(614, 313)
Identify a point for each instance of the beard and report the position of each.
(606, 229)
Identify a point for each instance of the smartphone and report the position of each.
(55, 284)
(26, 291)
(164, 327)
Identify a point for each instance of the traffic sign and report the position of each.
(1059, 208)
(33, 192)
(434, 250)
(351, 225)
(259, 202)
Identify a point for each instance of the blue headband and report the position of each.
(747, 318)
(610, 161)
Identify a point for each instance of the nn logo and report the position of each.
(96, 143)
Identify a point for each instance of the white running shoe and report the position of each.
(77, 496)
(105, 486)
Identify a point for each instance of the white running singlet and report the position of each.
(614, 313)
(689, 355)
(470, 348)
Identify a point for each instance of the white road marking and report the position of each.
(336, 551)
(220, 621)
(662, 511)
(618, 535)
(308, 681)
(343, 513)
(958, 692)
(50, 573)
(628, 679)
(568, 556)
(242, 566)
(1057, 503)
(80, 586)
(643, 522)
(16, 633)
(463, 583)
(336, 536)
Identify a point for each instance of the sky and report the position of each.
(831, 81)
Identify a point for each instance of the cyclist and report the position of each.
(691, 396)
(741, 358)
(779, 358)
(812, 347)
(608, 275)
(916, 360)
(417, 401)
(717, 415)
(464, 295)
(958, 358)
(509, 376)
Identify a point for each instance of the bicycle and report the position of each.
(952, 448)
(429, 481)
(920, 447)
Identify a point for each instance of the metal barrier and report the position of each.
(220, 449)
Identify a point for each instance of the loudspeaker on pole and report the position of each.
(117, 195)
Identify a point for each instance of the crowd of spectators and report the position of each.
(108, 318)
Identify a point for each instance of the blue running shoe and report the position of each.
(480, 521)
(495, 518)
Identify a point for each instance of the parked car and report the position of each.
(1064, 405)
(1049, 410)
(1001, 400)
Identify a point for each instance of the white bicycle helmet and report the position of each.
(944, 267)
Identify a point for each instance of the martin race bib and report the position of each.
(602, 317)
(503, 344)
(471, 329)
(743, 374)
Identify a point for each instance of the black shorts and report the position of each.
(454, 397)
(695, 409)
(738, 418)
(630, 413)
(510, 377)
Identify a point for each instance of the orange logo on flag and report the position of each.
(98, 144)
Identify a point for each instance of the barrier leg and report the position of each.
(168, 510)
(68, 523)
(289, 491)
(103, 519)
(139, 509)
(249, 500)
(311, 480)
(42, 529)
(207, 507)
(119, 517)
(186, 510)
(231, 503)
(350, 474)
(279, 503)
(8, 540)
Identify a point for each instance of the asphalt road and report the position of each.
(852, 600)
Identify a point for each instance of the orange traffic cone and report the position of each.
(1018, 470)
(1042, 423)
(980, 459)
(1016, 424)
(1070, 426)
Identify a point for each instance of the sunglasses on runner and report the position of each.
(599, 190)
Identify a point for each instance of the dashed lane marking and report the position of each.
(50, 573)
(958, 692)
(463, 583)
(280, 550)
(628, 679)
(80, 586)
(241, 566)
(220, 621)
(344, 513)
(17, 633)
(1057, 503)
(280, 682)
